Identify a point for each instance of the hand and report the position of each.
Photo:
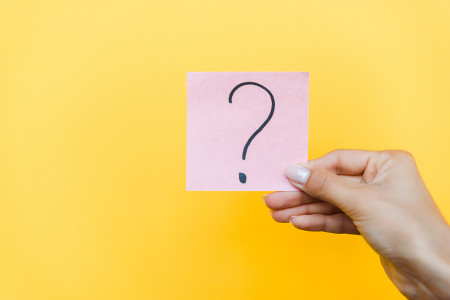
(381, 196)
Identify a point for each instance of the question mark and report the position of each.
(242, 176)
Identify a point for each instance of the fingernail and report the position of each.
(290, 219)
(297, 173)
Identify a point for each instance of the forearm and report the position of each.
(425, 274)
(433, 264)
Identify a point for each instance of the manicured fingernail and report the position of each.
(264, 198)
(290, 219)
(297, 173)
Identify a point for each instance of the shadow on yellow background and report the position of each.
(92, 157)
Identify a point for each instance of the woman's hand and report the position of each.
(381, 196)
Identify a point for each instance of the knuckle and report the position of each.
(337, 151)
(387, 154)
(318, 186)
(343, 224)
(399, 155)
(307, 209)
(325, 224)
(406, 155)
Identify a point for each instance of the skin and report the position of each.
(381, 196)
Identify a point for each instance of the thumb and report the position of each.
(322, 184)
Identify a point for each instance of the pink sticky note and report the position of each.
(259, 116)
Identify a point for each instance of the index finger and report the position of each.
(345, 162)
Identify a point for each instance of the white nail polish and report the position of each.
(297, 173)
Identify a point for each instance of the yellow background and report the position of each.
(92, 142)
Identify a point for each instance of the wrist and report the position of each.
(429, 262)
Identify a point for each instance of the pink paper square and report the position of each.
(217, 130)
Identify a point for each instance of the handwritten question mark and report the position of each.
(242, 176)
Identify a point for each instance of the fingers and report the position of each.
(322, 184)
(283, 215)
(282, 200)
(345, 162)
(336, 223)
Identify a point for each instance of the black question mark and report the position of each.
(242, 176)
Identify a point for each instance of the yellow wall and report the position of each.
(92, 142)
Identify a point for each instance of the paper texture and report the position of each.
(218, 131)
